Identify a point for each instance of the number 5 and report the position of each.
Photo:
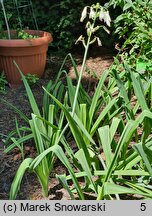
(143, 207)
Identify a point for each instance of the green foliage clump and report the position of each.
(62, 19)
(3, 82)
(134, 26)
(25, 35)
(31, 78)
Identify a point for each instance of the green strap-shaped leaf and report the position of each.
(63, 180)
(62, 157)
(111, 188)
(84, 130)
(29, 93)
(97, 95)
(104, 134)
(137, 187)
(114, 126)
(123, 93)
(39, 142)
(15, 186)
(82, 159)
(75, 130)
(50, 120)
(21, 140)
(115, 173)
(145, 156)
(102, 115)
(71, 93)
(139, 92)
(19, 112)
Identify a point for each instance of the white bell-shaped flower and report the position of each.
(104, 16)
(92, 13)
(84, 14)
(101, 15)
(107, 18)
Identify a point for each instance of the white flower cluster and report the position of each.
(94, 12)
(103, 15)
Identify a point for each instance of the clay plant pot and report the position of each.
(29, 54)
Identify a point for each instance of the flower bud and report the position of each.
(99, 41)
(95, 29)
(89, 31)
(88, 25)
(79, 39)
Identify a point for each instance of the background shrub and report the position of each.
(60, 17)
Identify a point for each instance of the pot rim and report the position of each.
(45, 38)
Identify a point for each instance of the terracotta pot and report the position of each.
(29, 54)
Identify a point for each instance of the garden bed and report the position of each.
(30, 188)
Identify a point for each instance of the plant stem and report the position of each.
(6, 21)
(78, 84)
(80, 76)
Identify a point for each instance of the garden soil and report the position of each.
(9, 163)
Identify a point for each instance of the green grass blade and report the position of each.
(20, 146)
(63, 64)
(133, 158)
(125, 137)
(122, 173)
(43, 178)
(48, 123)
(115, 173)
(84, 97)
(124, 94)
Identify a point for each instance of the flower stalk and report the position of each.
(95, 11)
